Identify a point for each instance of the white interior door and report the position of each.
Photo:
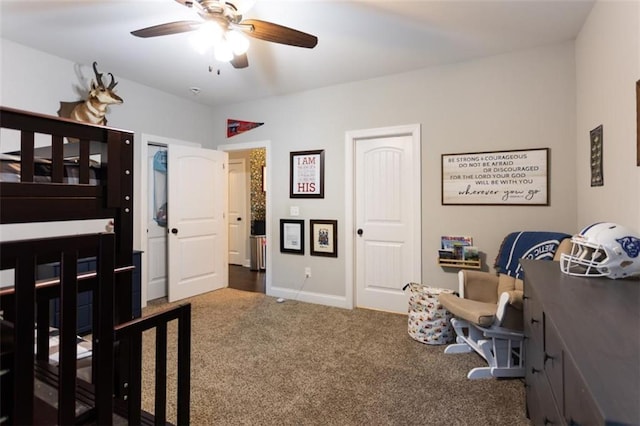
(156, 232)
(198, 247)
(237, 212)
(387, 219)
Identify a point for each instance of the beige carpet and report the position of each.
(258, 362)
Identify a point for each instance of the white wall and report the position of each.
(519, 100)
(608, 66)
(36, 81)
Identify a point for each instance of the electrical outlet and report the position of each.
(307, 272)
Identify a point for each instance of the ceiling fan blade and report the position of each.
(269, 31)
(240, 61)
(167, 29)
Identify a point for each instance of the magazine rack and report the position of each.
(458, 252)
(459, 263)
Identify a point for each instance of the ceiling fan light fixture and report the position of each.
(208, 35)
(223, 51)
(221, 30)
(238, 41)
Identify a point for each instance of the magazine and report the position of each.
(470, 253)
(455, 244)
(448, 241)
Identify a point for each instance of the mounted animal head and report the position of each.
(94, 109)
(104, 95)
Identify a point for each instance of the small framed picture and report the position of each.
(306, 179)
(292, 236)
(324, 238)
(596, 156)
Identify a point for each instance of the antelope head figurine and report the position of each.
(94, 108)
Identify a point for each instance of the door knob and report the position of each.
(360, 231)
(174, 230)
(239, 219)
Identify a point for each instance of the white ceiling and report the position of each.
(357, 40)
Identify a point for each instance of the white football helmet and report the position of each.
(603, 250)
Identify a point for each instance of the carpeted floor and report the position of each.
(259, 362)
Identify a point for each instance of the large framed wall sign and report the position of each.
(306, 179)
(519, 177)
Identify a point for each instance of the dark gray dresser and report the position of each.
(582, 347)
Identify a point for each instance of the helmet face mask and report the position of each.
(603, 250)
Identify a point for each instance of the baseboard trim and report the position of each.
(309, 297)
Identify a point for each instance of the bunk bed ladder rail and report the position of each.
(130, 335)
(20, 305)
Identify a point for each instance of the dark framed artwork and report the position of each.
(306, 178)
(324, 237)
(292, 236)
(596, 156)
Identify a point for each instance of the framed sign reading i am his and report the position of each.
(306, 178)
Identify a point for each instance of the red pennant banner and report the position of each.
(235, 127)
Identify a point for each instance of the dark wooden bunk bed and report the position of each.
(113, 391)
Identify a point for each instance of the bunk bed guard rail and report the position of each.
(117, 339)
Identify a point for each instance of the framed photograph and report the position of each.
(292, 236)
(306, 178)
(517, 177)
(596, 156)
(324, 238)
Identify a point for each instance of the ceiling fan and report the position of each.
(224, 28)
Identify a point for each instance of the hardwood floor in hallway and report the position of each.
(242, 278)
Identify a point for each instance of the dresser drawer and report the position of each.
(579, 407)
(533, 325)
(533, 357)
(533, 376)
(541, 405)
(553, 361)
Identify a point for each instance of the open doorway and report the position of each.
(247, 219)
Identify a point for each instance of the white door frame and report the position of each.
(140, 200)
(351, 137)
(244, 214)
(159, 232)
(270, 242)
